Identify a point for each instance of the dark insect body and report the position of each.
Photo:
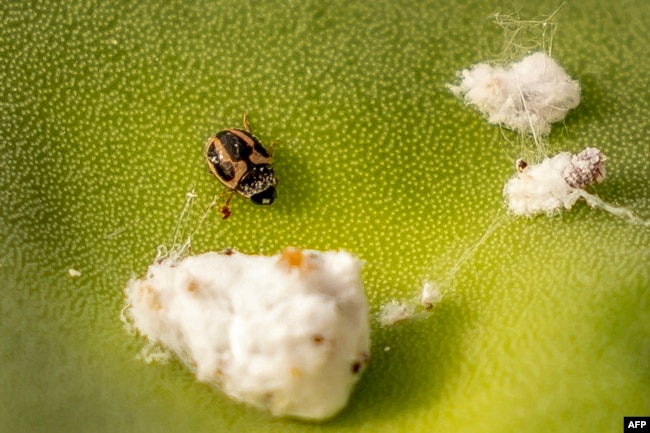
(239, 160)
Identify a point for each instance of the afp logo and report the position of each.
(636, 424)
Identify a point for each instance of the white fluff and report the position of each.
(394, 312)
(431, 295)
(289, 333)
(556, 183)
(527, 97)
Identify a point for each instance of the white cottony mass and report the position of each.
(528, 96)
(556, 183)
(289, 333)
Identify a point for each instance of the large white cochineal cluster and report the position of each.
(527, 96)
(288, 332)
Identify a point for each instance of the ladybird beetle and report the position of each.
(239, 160)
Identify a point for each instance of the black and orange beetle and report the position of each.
(239, 160)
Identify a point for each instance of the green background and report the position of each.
(105, 108)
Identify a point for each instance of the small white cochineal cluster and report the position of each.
(288, 332)
(527, 97)
(556, 183)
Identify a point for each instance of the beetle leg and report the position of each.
(271, 148)
(247, 126)
(225, 209)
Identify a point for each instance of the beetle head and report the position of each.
(265, 197)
